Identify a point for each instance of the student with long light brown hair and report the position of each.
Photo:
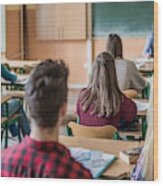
(127, 74)
(102, 102)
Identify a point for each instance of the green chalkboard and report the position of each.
(123, 18)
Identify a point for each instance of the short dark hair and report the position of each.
(114, 45)
(46, 92)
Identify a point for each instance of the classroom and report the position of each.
(78, 90)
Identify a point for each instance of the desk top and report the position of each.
(20, 63)
(143, 60)
(144, 112)
(16, 93)
(144, 65)
(118, 167)
(23, 77)
(130, 93)
(5, 98)
(148, 67)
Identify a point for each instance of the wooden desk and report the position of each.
(23, 76)
(5, 98)
(142, 115)
(21, 67)
(21, 63)
(17, 85)
(130, 93)
(135, 134)
(20, 76)
(16, 93)
(147, 67)
(118, 167)
(144, 112)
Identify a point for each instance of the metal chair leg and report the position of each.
(6, 136)
(2, 133)
(19, 133)
(144, 127)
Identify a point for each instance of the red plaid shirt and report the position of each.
(36, 159)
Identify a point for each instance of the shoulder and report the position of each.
(124, 62)
(129, 62)
(70, 168)
(11, 153)
(78, 171)
(130, 65)
(126, 100)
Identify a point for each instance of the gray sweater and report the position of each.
(128, 75)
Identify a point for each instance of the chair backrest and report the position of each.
(91, 131)
(130, 93)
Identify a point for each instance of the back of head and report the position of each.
(114, 45)
(103, 87)
(46, 92)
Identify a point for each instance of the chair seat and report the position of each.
(131, 93)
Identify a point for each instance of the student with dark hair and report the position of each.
(127, 74)
(102, 102)
(41, 155)
(14, 106)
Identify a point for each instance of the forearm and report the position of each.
(7, 75)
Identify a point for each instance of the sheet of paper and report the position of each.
(95, 161)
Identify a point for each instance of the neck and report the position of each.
(44, 134)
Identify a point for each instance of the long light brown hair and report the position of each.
(114, 45)
(103, 89)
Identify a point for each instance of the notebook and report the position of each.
(130, 156)
(95, 161)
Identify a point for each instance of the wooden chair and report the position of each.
(75, 129)
(5, 123)
(131, 93)
(146, 91)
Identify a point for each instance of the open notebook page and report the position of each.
(95, 161)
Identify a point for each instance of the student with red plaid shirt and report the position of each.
(40, 155)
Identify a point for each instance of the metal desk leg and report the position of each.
(6, 136)
(144, 126)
